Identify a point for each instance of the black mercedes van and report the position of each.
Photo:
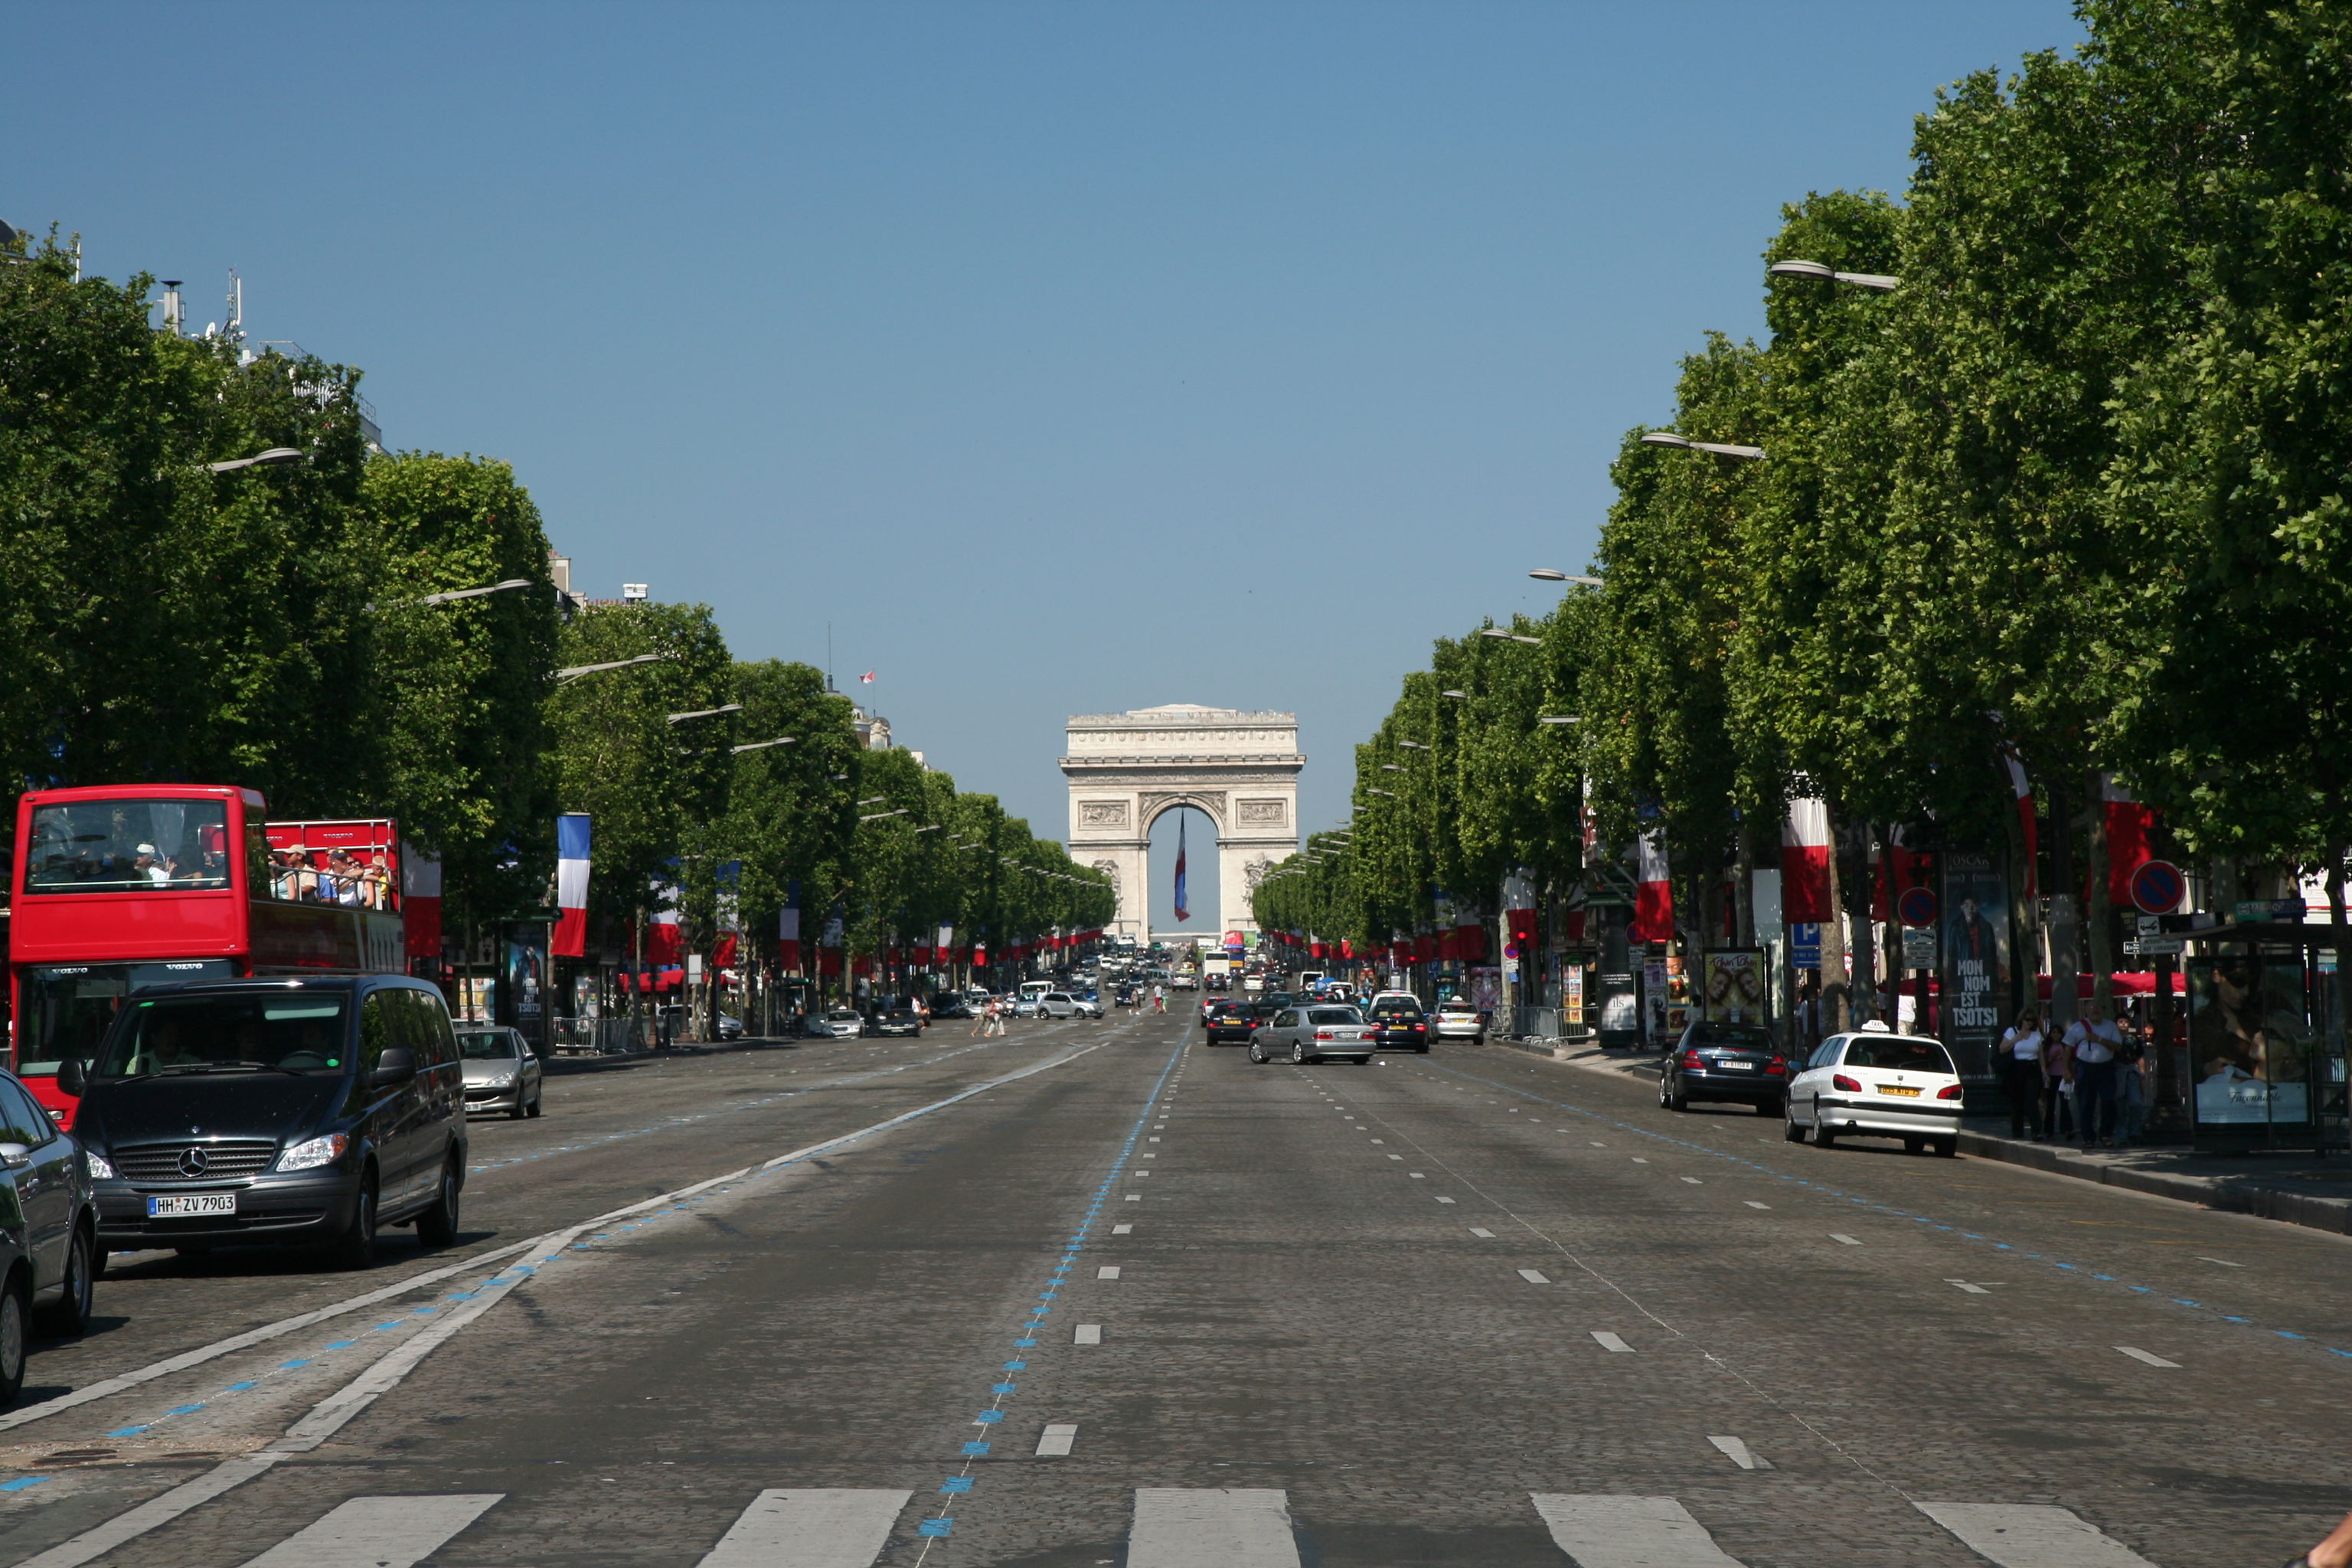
(234, 1112)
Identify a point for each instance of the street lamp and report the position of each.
(1375, 789)
(1457, 696)
(878, 816)
(872, 800)
(1822, 270)
(273, 457)
(1499, 635)
(706, 713)
(1720, 448)
(453, 594)
(1390, 768)
(1546, 574)
(579, 670)
(1559, 719)
(763, 745)
(1414, 745)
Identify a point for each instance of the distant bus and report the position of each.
(121, 886)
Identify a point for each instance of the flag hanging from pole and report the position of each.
(1182, 913)
(572, 844)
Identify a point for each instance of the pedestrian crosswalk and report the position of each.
(1172, 1527)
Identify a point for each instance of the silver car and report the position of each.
(501, 1072)
(49, 1232)
(1308, 1033)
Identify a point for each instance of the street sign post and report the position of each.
(2157, 887)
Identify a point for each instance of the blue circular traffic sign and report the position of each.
(2157, 887)
(1915, 906)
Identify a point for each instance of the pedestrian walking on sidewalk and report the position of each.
(2093, 1043)
(2131, 1085)
(2057, 1088)
(2021, 1074)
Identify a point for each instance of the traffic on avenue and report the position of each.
(1080, 1289)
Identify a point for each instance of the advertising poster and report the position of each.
(2250, 1043)
(526, 979)
(1976, 978)
(1732, 989)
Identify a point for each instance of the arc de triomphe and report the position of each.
(1241, 770)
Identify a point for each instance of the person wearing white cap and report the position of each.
(150, 867)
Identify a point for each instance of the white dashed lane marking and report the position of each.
(2149, 1356)
(379, 1532)
(1088, 1334)
(820, 1525)
(1609, 1341)
(1056, 1440)
(1740, 1454)
(2027, 1536)
(1839, 1237)
(1108, 1271)
(1971, 1290)
(1482, 1230)
(1535, 1276)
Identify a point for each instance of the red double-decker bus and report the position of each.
(120, 886)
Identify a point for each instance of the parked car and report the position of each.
(50, 1258)
(730, 1026)
(1459, 1020)
(1229, 1023)
(1304, 1034)
(900, 1022)
(1725, 1063)
(311, 1110)
(1400, 1023)
(1877, 1084)
(500, 1072)
(838, 1023)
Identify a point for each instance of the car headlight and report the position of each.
(318, 1151)
(497, 1079)
(99, 1170)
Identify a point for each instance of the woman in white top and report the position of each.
(2021, 1074)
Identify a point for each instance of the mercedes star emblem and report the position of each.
(192, 1163)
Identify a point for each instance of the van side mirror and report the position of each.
(397, 1066)
(73, 1076)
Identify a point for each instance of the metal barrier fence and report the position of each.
(604, 1036)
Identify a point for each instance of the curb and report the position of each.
(2306, 1209)
(2232, 1195)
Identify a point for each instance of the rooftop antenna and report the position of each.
(171, 305)
(235, 307)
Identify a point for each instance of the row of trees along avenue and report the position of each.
(2052, 466)
(269, 625)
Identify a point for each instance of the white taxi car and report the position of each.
(1460, 1020)
(1874, 1083)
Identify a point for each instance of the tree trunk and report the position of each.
(1836, 991)
(2340, 934)
(2066, 952)
(2102, 919)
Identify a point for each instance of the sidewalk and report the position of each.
(2294, 1189)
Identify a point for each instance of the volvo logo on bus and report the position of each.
(193, 1163)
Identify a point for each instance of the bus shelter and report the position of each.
(2266, 1053)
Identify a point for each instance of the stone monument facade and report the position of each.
(1239, 769)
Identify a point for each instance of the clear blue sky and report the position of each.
(1067, 358)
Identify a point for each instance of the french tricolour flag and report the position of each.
(1654, 894)
(570, 937)
(1805, 863)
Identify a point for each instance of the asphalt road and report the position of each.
(1135, 1301)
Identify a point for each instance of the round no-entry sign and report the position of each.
(1915, 906)
(2157, 887)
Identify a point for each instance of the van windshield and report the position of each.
(267, 1032)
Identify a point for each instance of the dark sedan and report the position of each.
(1729, 1063)
(1402, 1025)
(1228, 1022)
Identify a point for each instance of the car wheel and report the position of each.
(1947, 1148)
(1823, 1136)
(355, 1248)
(1675, 1099)
(1790, 1130)
(1257, 1053)
(539, 1101)
(1768, 1108)
(520, 1110)
(1298, 1055)
(69, 1315)
(437, 1227)
(15, 1333)
(1912, 1145)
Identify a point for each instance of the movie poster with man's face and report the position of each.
(1976, 979)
